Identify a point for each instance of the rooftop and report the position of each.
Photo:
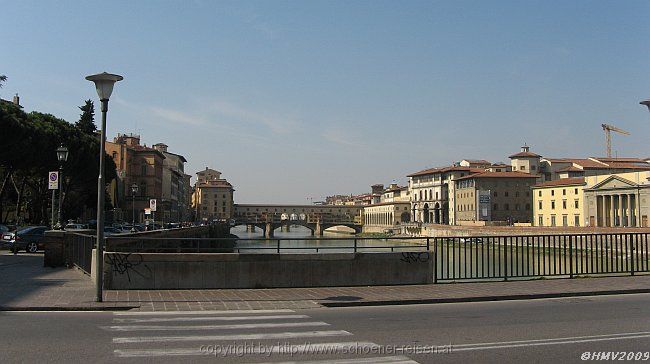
(562, 182)
(499, 175)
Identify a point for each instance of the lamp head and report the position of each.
(646, 103)
(62, 153)
(104, 84)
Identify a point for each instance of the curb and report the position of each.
(65, 309)
(483, 298)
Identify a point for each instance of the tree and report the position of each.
(3, 79)
(86, 121)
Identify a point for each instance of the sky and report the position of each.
(296, 100)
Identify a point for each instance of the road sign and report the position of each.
(152, 204)
(53, 179)
(147, 211)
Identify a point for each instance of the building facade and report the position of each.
(174, 204)
(494, 196)
(213, 197)
(139, 165)
(618, 200)
(559, 203)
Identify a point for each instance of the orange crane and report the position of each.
(608, 129)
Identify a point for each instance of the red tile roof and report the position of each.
(562, 182)
(571, 169)
(443, 170)
(499, 175)
(525, 155)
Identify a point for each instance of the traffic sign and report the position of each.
(147, 211)
(152, 204)
(53, 180)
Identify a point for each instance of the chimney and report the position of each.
(16, 100)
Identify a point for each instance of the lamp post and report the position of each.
(646, 103)
(62, 156)
(134, 191)
(104, 83)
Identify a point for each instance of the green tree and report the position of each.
(86, 121)
(3, 79)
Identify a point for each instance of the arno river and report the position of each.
(491, 257)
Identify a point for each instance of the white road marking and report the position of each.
(383, 359)
(210, 318)
(251, 350)
(552, 341)
(259, 336)
(214, 327)
(178, 313)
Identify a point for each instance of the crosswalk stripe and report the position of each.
(214, 327)
(258, 336)
(178, 313)
(209, 318)
(383, 359)
(250, 350)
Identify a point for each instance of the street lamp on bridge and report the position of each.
(104, 83)
(134, 191)
(62, 157)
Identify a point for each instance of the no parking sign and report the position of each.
(53, 179)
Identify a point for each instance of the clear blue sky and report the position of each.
(300, 99)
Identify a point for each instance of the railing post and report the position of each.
(278, 246)
(355, 245)
(505, 258)
(435, 260)
(570, 256)
(632, 254)
(428, 244)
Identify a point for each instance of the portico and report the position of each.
(618, 200)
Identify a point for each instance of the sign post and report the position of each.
(152, 207)
(53, 184)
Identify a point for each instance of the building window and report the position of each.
(564, 204)
(539, 193)
(523, 168)
(527, 206)
(575, 203)
(496, 207)
(552, 192)
(564, 192)
(506, 207)
(532, 168)
(552, 220)
(516, 207)
(576, 220)
(540, 205)
(505, 193)
(552, 205)
(541, 220)
(565, 220)
(516, 193)
(575, 191)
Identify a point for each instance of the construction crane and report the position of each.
(608, 129)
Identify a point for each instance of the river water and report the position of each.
(301, 241)
(520, 257)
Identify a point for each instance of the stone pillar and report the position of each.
(612, 212)
(600, 210)
(268, 231)
(630, 211)
(620, 209)
(319, 230)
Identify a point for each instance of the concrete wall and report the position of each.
(459, 231)
(231, 270)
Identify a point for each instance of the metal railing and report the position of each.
(454, 258)
(80, 250)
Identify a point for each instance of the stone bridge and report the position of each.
(316, 218)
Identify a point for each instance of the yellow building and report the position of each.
(559, 203)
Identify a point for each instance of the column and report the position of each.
(600, 210)
(620, 209)
(612, 211)
(631, 216)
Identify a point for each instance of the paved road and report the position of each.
(552, 330)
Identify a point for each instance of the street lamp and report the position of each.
(62, 156)
(134, 191)
(646, 103)
(104, 84)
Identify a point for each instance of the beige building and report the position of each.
(618, 200)
(432, 193)
(525, 161)
(213, 197)
(395, 193)
(387, 214)
(174, 204)
(494, 196)
(559, 203)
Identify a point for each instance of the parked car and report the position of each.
(111, 231)
(76, 227)
(29, 239)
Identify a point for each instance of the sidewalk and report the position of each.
(26, 285)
